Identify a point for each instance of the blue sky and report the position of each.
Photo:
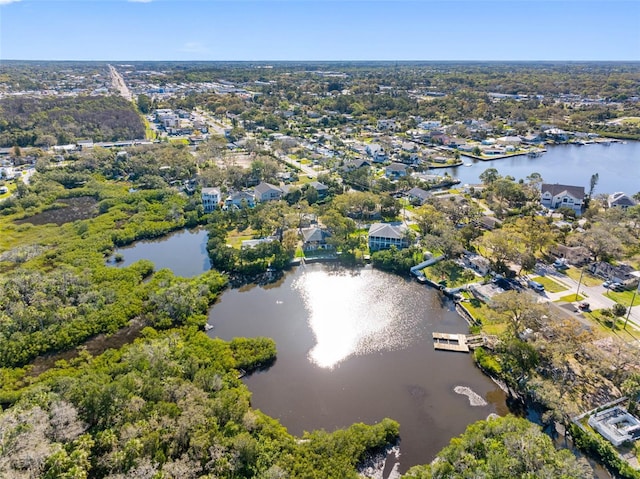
(319, 30)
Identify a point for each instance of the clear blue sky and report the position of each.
(319, 30)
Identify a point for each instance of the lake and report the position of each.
(617, 165)
(183, 252)
(356, 346)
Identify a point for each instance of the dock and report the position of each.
(462, 343)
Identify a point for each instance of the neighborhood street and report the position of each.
(594, 295)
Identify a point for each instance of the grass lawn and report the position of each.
(549, 284)
(587, 279)
(624, 297)
(235, 237)
(607, 325)
(570, 298)
(454, 274)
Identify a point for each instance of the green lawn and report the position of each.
(570, 298)
(454, 274)
(624, 297)
(550, 285)
(587, 279)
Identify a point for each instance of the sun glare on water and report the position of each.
(353, 317)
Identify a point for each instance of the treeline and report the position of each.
(44, 122)
(170, 405)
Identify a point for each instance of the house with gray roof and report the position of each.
(555, 196)
(240, 199)
(315, 238)
(395, 171)
(267, 192)
(620, 200)
(418, 195)
(319, 187)
(386, 235)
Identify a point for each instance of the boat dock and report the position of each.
(462, 343)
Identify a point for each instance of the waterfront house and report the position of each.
(385, 235)
(556, 196)
(210, 199)
(620, 200)
(267, 192)
(315, 238)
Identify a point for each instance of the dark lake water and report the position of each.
(617, 165)
(356, 346)
(184, 252)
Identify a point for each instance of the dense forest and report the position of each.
(51, 121)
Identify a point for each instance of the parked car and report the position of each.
(607, 284)
(560, 264)
(534, 285)
(617, 287)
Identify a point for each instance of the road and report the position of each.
(118, 83)
(595, 295)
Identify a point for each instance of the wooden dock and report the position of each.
(462, 343)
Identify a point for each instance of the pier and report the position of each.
(462, 343)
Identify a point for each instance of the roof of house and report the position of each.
(211, 191)
(556, 189)
(265, 187)
(419, 193)
(240, 195)
(318, 186)
(388, 230)
(621, 199)
(314, 234)
(396, 167)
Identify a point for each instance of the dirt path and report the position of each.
(118, 83)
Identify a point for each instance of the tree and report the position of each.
(520, 311)
(600, 243)
(489, 175)
(144, 104)
(500, 448)
(592, 183)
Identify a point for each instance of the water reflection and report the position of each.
(354, 317)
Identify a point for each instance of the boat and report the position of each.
(468, 164)
(208, 327)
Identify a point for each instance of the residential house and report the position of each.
(252, 243)
(351, 165)
(240, 199)
(267, 192)
(418, 195)
(376, 152)
(575, 255)
(210, 199)
(621, 273)
(385, 235)
(387, 125)
(395, 171)
(490, 223)
(315, 238)
(621, 200)
(322, 190)
(556, 196)
(477, 263)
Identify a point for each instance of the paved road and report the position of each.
(118, 83)
(596, 296)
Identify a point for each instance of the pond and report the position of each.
(184, 252)
(356, 346)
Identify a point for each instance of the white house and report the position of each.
(556, 196)
(240, 199)
(210, 199)
(385, 235)
(376, 152)
(267, 192)
(620, 200)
